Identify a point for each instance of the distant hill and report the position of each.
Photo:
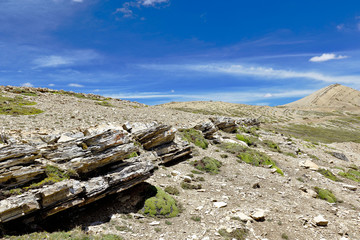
(334, 96)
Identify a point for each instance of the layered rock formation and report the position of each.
(104, 162)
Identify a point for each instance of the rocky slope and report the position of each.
(264, 184)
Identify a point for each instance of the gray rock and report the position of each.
(340, 156)
(320, 221)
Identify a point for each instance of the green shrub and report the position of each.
(104, 103)
(53, 175)
(325, 194)
(196, 218)
(208, 164)
(162, 204)
(194, 136)
(328, 174)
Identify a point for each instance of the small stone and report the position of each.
(243, 217)
(320, 221)
(175, 173)
(220, 204)
(350, 187)
(154, 223)
(187, 179)
(199, 208)
(64, 138)
(309, 165)
(259, 215)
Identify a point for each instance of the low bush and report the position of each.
(194, 136)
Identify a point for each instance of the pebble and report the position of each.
(154, 223)
(220, 204)
(350, 187)
(320, 221)
(258, 215)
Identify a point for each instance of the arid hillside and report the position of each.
(82, 166)
(332, 97)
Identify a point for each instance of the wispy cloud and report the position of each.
(127, 7)
(246, 96)
(256, 72)
(75, 85)
(71, 58)
(27, 84)
(327, 57)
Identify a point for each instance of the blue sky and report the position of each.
(155, 51)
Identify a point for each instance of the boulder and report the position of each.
(309, 165)
(173, 151)
(155, 136)
(340, 156)
(208, 129)
(225, 124)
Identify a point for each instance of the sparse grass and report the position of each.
(188, 186)
(250, 156)
(104, 103)
(78, 95)
(248, 140)
(290, 154)
(321, 134)
(161, 205)
(328, 174)
(251, 130)
(123, 228)
(172, 190)
(194, 136)
(196, 218)
(284, 236)
(53, 175)
(17, 106)
(351, 174)
(272, 145)
(157, 229)
(224, 156)
(208, 164)
(196, 172)
(76, 234)
(132, 155)
(238, 234)
(325, 194)
(313, 156)
(167, 222)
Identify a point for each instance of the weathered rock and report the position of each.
(340, 156)
(14, 178)
(13, 155)
(173, 150)
(50, 139)
(220, 204)
(155, 136)
(309, 165)
(350, 187)
(320, 221)
(137, 127)
(208, 129)
(243, 217)
(225, 124)
(258, 215)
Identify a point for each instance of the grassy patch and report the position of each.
(248, 140)
(325, 194)
(194, 136)
(238, 234)
(196, 218)
(132, 155)
(53, 175)
(208, 164)
(250, 156)
(290, 154)
(251, 130)
(104, 103)
(17, 106)
(328, 174)
(272, 145)
(321, 134)
(162, 204)
(189, 186)
(172, 190)
(351, 174)
(78, 95)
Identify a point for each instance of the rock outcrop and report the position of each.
(93, 165)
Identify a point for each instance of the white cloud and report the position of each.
(268, 95)
(27, 85)
(128, 12)
(52, 61)
(51, 85)
(75, 85)
(256, 72)
(326, 57)
(152, 2)
(76, 57)
(79, 1)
